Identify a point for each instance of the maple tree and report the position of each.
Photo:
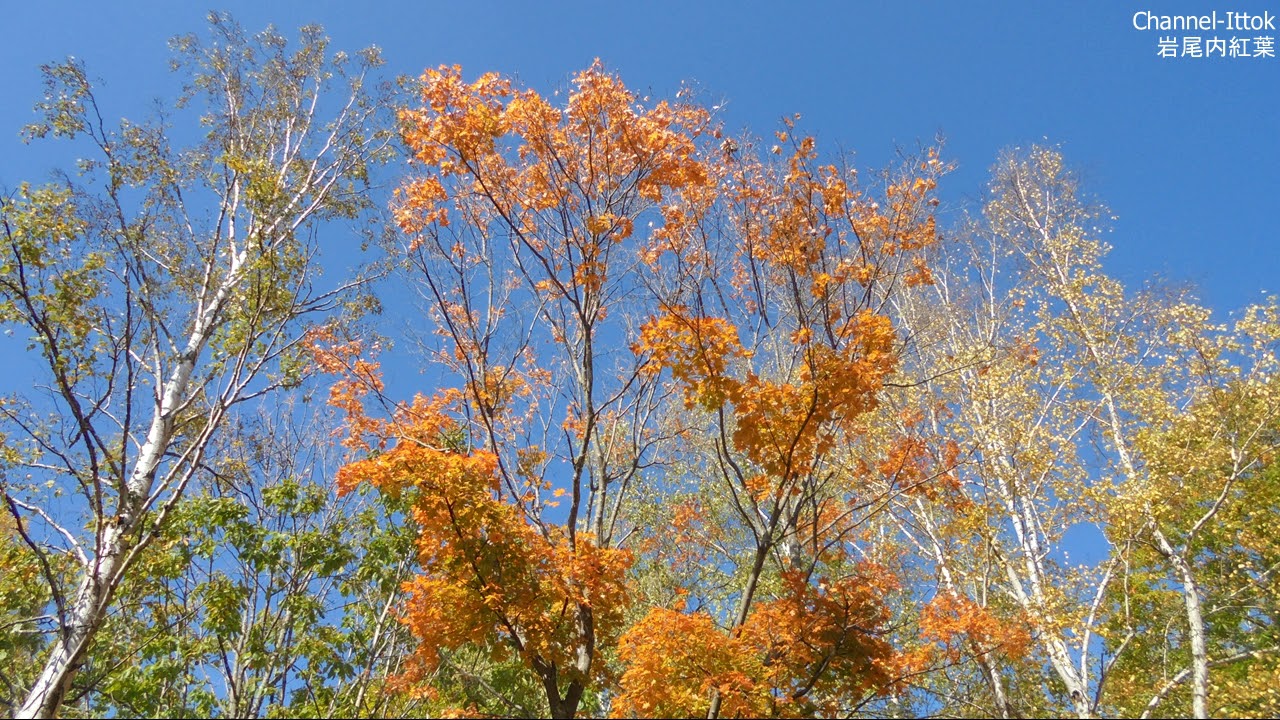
(776, 334)
(719, 426)
(562, 326)
(518, 226)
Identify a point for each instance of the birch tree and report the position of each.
(264, 594)
(1199, 596)
(1005, 381)
(1171, 393)
(163, 287)
(1074, 399)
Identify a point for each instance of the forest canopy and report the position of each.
(710, 422)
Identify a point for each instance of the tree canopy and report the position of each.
(710, 424)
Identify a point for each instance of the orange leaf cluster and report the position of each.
(489, 577)
(782, 426)
(567, 181)
(807, 228)
(697, 350)
(950, 620)
(358, 377)
(801, 654)
(921, 465)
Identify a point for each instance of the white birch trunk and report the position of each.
(104, 572)
(1195, 627)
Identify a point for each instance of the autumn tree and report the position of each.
(772, 323)
(1157, 368)
(162, 288)
(520, 224)
(1199, 597)
(1063, 390)
(575, 260)
(1000, 383)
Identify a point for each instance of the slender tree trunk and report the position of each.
(996, 684)
(85, 615)
(1199, 655)
(104, 571)
(1195, 627)
(744, 609)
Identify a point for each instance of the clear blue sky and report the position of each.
(1186, 152)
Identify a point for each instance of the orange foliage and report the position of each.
(675, 659)
(565, 185)
(489, 576)
(811, 258)
(949, 620)
(821, 249)
(784, 427)
(801, 654)
(697, 351)
(807, 256)
(357, 377)
(590, 161)
(919, 464)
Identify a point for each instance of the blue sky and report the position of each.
(1185, 151)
